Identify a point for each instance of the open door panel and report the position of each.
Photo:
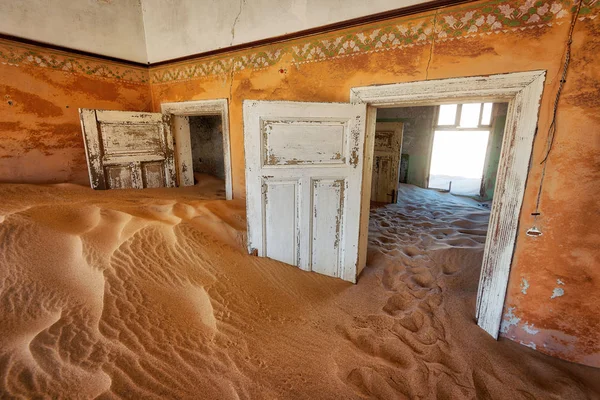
(304, 166)
(386, 161)
(128, 149)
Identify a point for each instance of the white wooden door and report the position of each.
(128, 149)
(304, 165)
(386, 161)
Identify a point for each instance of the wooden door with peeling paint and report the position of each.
(304, 166)
(386, 161)
(128, 149)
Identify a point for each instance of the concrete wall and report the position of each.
(183, 27)
(416, 138)
(40, 93)
(111, 28)
(488, 37)
(206, 134)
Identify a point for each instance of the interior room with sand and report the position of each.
(300, 200)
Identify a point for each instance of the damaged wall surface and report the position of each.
(481, 38)
(549, 304)
(40, 93)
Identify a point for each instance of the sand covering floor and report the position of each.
(150, 294)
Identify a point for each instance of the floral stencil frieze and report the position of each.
(447, 24)
(16, 54)
(451, 23)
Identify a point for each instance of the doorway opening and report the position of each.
(434, 171)
(522, 92)
(206, 139)
(201, 142)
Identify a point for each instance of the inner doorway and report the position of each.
(206, 139)
(201, 141)
(522, 91)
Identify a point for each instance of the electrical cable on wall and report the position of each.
(534, 231)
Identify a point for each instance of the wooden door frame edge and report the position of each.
(198, 108)
(523, 92)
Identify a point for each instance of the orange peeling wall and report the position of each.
(40, 92)
(558, 313)
(553, 297)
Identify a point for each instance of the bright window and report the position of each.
(447, 114)
(469, 115)
(459, 147)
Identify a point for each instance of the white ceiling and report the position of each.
(159, 30)
(177, 28)
(108, 27)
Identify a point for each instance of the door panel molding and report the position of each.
(126, 149)
(523, 91)
(319, 146)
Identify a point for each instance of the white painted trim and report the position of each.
(208, 107)
(523, 91)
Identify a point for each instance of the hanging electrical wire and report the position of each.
(534, 231)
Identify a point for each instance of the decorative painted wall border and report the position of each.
(17, 54)
(483, 18)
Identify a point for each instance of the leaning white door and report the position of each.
(304, 165)
(127, 149)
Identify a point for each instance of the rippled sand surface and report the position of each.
(150, 294)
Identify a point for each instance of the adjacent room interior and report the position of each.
(207, 147)
(452, 148)
(298, 200)
(434, 173)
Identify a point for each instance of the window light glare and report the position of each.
(469, 116)
(459, 154)
(447, 114)
(486, 114)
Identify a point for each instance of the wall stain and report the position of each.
(582, 90)
(10, 126)
(102, 89)
(31, 103)
(48, 138)
(471, 48)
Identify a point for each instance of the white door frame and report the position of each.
(198, 108)
(522, 91)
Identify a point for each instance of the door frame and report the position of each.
(199, 108)
(523, 92)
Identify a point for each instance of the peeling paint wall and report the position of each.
(40, 93)
(480, 38)
(552, 299)
(416, 139)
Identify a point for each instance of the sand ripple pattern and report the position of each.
(150, 294)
